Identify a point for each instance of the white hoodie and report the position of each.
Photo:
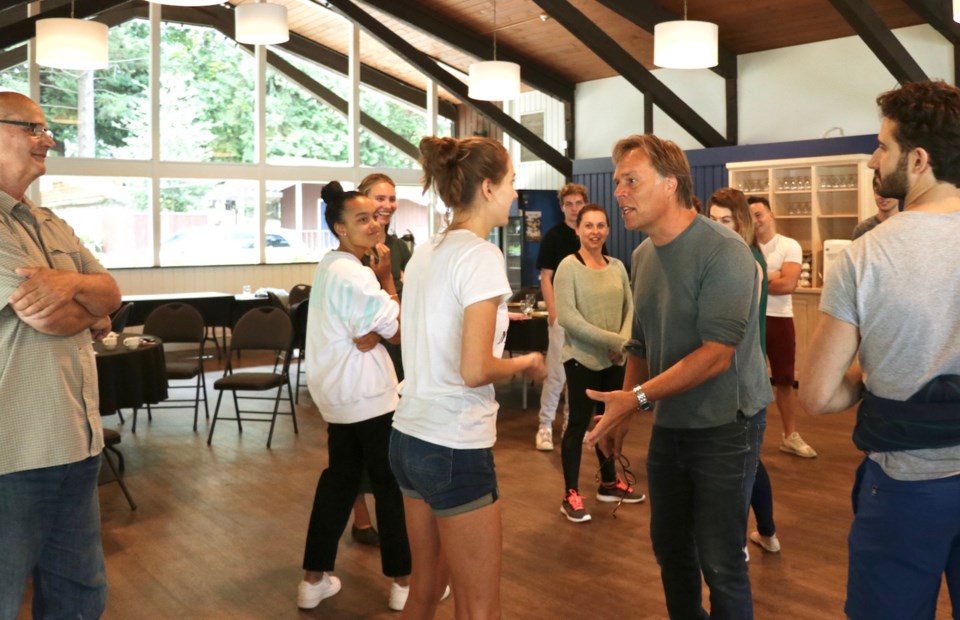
(346, 301)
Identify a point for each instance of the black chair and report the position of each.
(118, 320)
(300, 312)
(263, 329)
(299, 293)
(111, 439)
(180, 323)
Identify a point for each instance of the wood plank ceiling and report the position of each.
(745, 26)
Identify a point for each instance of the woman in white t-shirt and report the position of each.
(353, 383)
(455, 325)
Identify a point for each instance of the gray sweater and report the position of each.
(595, 308)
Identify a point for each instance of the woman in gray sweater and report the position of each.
(595, 308)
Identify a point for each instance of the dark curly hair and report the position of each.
(335, 199)
(927, 116)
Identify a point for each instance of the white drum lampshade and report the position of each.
(685, 44)
(956, 10)
(66, 43)
(494, 80)
(262, 23)
(188, 2)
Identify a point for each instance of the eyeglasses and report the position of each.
(38, 130)
(628, 478)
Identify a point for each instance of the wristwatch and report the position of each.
(642, 403)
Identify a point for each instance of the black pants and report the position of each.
(579, 379)
(353, 448)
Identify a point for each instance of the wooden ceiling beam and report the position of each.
(939, 14)
(375, 28)
(647, 14)
(456, 36)
(885, 46)
(639, 76)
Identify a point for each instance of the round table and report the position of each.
(131, 378)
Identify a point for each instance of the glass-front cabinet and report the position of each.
(814, 200)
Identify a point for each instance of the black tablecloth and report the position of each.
(217, 309)
(527, 335)
(130, 378)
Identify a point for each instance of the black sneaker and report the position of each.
(572, 508)
(619, 492)
(366, 536)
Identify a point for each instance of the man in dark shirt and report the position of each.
(560, 242)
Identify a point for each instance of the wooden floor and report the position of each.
(219, 530)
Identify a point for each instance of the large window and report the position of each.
(106, 113)
(110, 215)
(215, 201)
(206, 96)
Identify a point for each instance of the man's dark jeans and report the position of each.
(700, 482)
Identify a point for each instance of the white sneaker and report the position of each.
(398, 596)
(794, 444)
(545, 439)
(309, 595)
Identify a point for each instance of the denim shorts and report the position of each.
(450, 480)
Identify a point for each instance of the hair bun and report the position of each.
(332, 193)
(442, 152)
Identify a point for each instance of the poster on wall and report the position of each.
(533, 225)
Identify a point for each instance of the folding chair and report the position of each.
(180, 323)
(298, 293)
(300, 311)
(265, 329)
(110, 440)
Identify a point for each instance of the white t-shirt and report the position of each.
(776, 252)
(445, 276)
(346, 301)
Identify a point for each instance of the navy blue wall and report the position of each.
(709, 174)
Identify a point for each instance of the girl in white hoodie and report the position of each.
(353, 383)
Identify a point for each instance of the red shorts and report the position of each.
(781, 349)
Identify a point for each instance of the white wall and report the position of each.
(538, 174)
(223, 279)
(795, 93)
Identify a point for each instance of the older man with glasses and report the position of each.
(55, 298)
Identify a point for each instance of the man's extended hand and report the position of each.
(43, 292)
(618, 406)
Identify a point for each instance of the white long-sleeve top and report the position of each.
(346, 301)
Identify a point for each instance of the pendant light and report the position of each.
(187, 2)
(494, 80)
(70, 43)
(261, 23)
(686, 44)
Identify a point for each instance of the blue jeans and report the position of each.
(700, 482)
(50, 527)
(905, 537)
(451, 481)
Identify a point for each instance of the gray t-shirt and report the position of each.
(900, 285)
(702, 286)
